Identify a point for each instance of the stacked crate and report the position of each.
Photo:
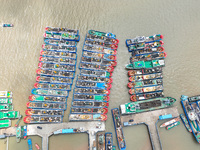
(146, 62)
(55, 74)
(91, 94)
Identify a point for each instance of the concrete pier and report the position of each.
(48, 129)
(150, 119)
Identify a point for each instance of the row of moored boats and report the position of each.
(55, 73)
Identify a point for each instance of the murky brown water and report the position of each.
(178, 21)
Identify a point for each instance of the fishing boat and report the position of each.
(7, 25)
(106, 56)
(56, 66)
(96, 67)
(43, 119)
(54, 79)
(83, 110)
(94, 79)
(147, 89)
(143, 39)
(102, 38)
(100, 50)
(146, 57)
(5, 100)
(145, 83)
(91, 91)
(147, 51)
(109, 141)
(37, 146)
(147, 105)
(61, 36)
(114, 147)
(47, 98)
(59, 60)
(100, 44)
(42, 105)
(170, 122)
(57, 50)
(36, 112)
(146, 64)
(98, 61)
(53, 86)
(145, 71)
(95, 73)
(9, 114)
(6, 107)
(62, 30)
(185, 122)
(140, 97)
(91, 84)
(145, 77)
(100, 141)
(172, 125)
(196, 109)
(145, 45)
(59, 42)
(29, 144)
(5, 94)
(48, 92)
(98, 33)
(55, 73)
(90, 104)
(194, 98)
(118, 129)
(78, 96)
(5, 123)
(87, 117)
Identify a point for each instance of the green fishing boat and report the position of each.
(98, 33)
(173, 125)
(5, 94)
(147, 105)
(5, 123)
(6, 107)
(146, 64)
(9, 115)
(5, 100)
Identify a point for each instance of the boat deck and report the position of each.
(150, 119)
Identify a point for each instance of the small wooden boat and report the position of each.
(54, 79)
(147, 105)
(5, 94)
(37, 146)
(62, 36)
(30, 144)
(9, 114)
(60, 48)
(59, 42)
(83, 110)
(78, 96)
(36, 112)
(143, 90)
(143, 39)
(96, 67)
(170, 122)
(47, 98)
(48, 92)
(145, 71)
(63, 54)
(109, 141)
(98, 33)
(53, 86)
(7, 25)
(101, 44)
(94, 78)
(145, 77)
(91, 91)
(140, 97)
(146, 57)
(55, 73)
(145, 46)
(56, 66)
(144, 83)
(62, 30)
(102, 38)
(147, 50)
(59, 60)
(173, 125)
(100, 141)
(194, 98)
(100, 61)
(45, 105)
(185, 122)
(91, 84)
(146, 64)
(95, 73)
(93, 48)
(43, 119)
(90, 104)
(87, 117)
(110, 57)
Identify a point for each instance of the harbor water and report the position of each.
(178, 21)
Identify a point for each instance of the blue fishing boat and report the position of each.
(29, 144)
